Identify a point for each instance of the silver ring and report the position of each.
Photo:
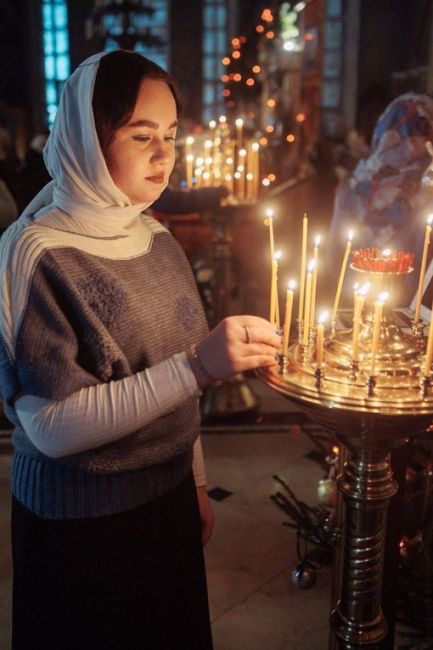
(247, 334)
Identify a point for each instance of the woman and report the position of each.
(104, 354)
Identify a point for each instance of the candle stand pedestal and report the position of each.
(232, 397)
(370, 419)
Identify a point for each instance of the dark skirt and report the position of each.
(130, 581)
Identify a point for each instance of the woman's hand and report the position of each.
(207, 516)
(239, 343)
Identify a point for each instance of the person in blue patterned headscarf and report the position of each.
(384, 199)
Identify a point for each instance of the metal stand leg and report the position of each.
(367, 486)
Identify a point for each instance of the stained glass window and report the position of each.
(215, 44)
(56, 52)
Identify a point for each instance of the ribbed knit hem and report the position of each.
(57, 491)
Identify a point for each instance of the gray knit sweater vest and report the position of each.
(85, 310)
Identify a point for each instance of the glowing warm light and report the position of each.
(236, 54)
(300, 117)
(271, 103)
(255, 146)
(237, 76)
(267, 15)
(309, 36)
(263, 141)
(256, 69)
(225, 78)
(383, 297)
(199, 161)
(300, 6)
(236, 42)
(266, 182)
(260, 29)
(270, 35)
(222, 119)
(323, 317)
(227, 92)
(226, 60)
(290, 137)
(269, 128)
(271, 177)
(190, 140)
(335, 450)
(212, 124)
(350, 235)
(386, 252)
(317, 240)
(250, 81)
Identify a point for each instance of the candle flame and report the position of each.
(383, 297)
(255, 146)
(223, 118)
(278, 255)
(430, 220)
(323, 317)
(350, 235)
(311, 265)
(269, 213)
(239, 122)
(291, 285)
(356, 286)
(242, 152)
(365, 289)
(317, 240)
(212, 124)
(386, 252)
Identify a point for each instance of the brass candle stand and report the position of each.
(371, 415)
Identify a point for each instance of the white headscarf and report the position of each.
(82, 186)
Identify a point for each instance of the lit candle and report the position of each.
(255, 168)
(357, 319)
(320, 336)
(314, 282)
(342, 274)
(429, 350)
(207, 175)
(242, 170)
(307, 303)
(270, 222)
(288, 315)
(303, 267)
(239, 124)
(189, 160)
(378, 311)
(274, 315)
(423, 267)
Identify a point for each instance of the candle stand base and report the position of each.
(231, 398)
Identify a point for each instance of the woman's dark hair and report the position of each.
(117, 84)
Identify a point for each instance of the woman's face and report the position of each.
(140, 159)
